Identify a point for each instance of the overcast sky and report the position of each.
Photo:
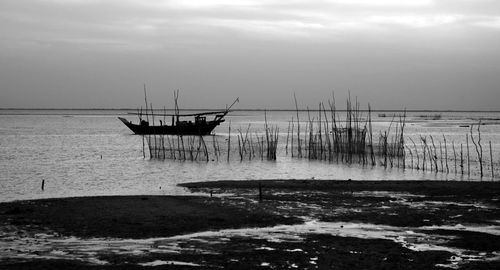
(414, 54)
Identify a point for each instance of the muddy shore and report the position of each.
(324, 225)
(133, 216)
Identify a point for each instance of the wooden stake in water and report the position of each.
(454, 155)
(143, 151)
(461, 159)
(214, 145)
(416, 153)
(446, 154)
(287, 133)
(205, 149)
(146, 101)
(491, 162)
(229, 142)
(424, 148)
(441, 156)
(239, 148)
(468, 156)
(291, 145)
(479, 148)
(299, 151)
(411, 155)
(434, 155)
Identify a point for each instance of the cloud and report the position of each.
(489, 22)
(151, 21)
(274, 46)
(417, 21)
(383, 3)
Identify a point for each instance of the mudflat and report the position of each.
(133, 216)
(266, 224)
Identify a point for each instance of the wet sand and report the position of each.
(329, 224)
(133, 216)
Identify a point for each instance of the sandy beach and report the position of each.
(268, 224)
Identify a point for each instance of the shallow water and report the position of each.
(82, 153)
(20, 244)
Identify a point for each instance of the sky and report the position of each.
(393, 54)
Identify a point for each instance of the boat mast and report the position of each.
(236, 100)
(176, 97)
(146, 101)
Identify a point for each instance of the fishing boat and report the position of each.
(200, 125)
(178, 126)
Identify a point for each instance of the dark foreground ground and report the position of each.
(314, 212)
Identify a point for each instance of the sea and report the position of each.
(90, 152)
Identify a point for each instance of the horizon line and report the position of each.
(247, 109)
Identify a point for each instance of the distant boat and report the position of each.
(200, 125)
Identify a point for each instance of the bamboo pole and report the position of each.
(479, 148)
(191, 147)
(146, 101)
(299, 151)
(327, 134)
(229, 141)
(239, 148)
(416, 153)
(468, 156)
(149, 147)
(287, 134)
(461, 159)
(291, 146)
(434, 155)
(319, 133)
(441, 156)
(305, 140)
(491, 162)
(218, 148)
(242, 141)
(183, 149)
(205, 148)
(446, 154)
(335, 136)
(411, 155)
(454, 155)
(385, 148)
(163, 145)
(214, 145)
(250, 147)
(395, 150)
(197, 149)
(424, 149)
(402, 140)
(179, 146)
(143, 150)
(246, 141)
(372, 155)
(172, 147)
(267, 134)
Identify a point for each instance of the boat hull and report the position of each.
(187, 128)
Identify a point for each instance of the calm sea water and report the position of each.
(82, 153)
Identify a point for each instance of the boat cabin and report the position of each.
(200, 119)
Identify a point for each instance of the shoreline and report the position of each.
(461, 186)
(475, 188)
